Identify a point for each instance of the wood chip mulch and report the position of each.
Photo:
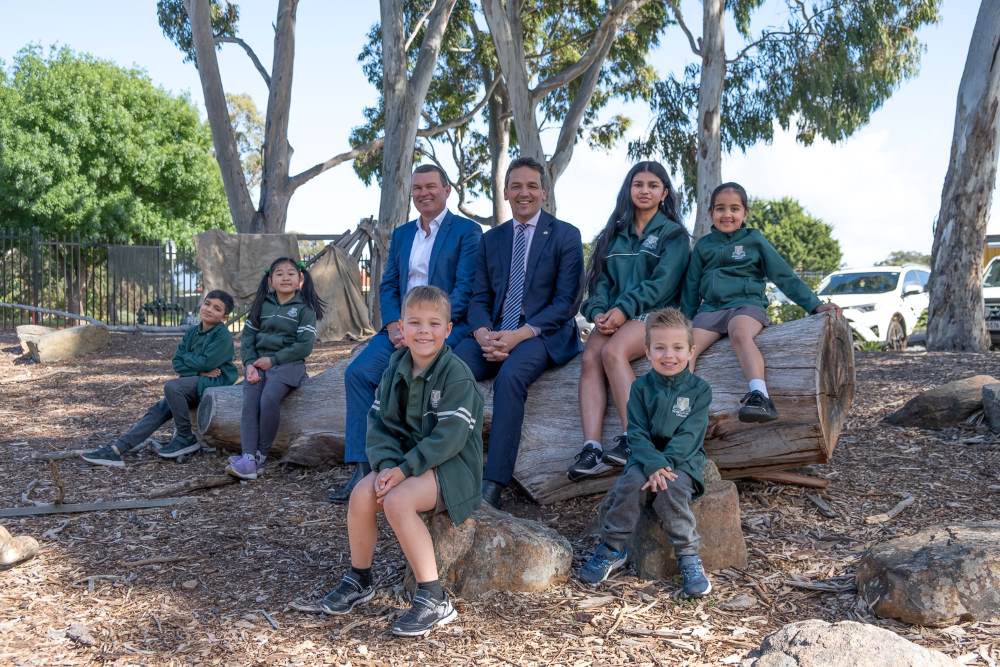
(221, 581)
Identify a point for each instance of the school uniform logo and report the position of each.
(293, 311)
(738, 252)
(650, 242)
(435, 398)
(682, 406)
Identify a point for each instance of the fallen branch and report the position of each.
(888, 516)
(798, 479)
(821, 505)
(12, 512)
(193, 484)
(58, 482)
(120, 328)
(58, 456)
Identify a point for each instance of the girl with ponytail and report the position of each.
(278, 335)
(637, 267)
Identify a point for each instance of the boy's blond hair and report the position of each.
(428, 294)
(668, 318)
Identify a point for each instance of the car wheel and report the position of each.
(895, 337)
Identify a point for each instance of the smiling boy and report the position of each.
(425, 447)
(667, 420)
(203, 359)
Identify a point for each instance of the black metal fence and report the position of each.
(156, 283)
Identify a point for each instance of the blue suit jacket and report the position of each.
(452, 268)
(552, 286)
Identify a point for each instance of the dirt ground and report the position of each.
(213, 581)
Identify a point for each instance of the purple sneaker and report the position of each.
(245, 467)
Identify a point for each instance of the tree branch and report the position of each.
(604, 35)
(416, 28)
(675, 7)
(220, 39)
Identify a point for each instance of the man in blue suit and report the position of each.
(439, 249)
(523, 311)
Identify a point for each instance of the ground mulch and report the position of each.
(217, 581)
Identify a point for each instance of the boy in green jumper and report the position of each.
(203, 359)
(667, 420)
(425, 446)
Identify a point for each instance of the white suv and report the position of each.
(991, 298)
(881, 303)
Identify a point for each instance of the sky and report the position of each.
(880, 189)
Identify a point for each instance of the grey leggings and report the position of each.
(262, 406)
(673, 507)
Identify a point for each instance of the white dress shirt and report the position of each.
(420, 253)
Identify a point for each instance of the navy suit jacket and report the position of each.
(452, 268)
(552, 285)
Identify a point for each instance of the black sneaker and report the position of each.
(425, 614)
(108, 455)
(618, 455)
(178, 447)
(348, 594)
(757, 408)
(588, 464)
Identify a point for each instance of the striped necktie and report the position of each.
(515, 284)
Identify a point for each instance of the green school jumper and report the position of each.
(433, 420)
(286, 334)
(641, 273)
(201, 351)
(667, 420)
(730, 270)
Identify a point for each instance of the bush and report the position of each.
(784, 312)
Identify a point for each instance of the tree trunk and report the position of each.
(955, 317)
(275, 189)
(499, 142)
(713, 76)
(811, 377)
(237, 194)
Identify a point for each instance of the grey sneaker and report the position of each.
(108, 455)
(425, 615)
(348, 594)
(243, 468)
(618, 455)
(178, 447)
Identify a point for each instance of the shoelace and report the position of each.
(588, 455)
(691, 569)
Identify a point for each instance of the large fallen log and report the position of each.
(810, 377)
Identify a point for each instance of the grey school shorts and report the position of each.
(718, 320)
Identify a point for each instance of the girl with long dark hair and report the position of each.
(278, 335)
(637, 266)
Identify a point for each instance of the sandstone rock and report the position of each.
(816, 643)
(943, 405)
(718, 515)
(495, 551)
(49, 345)
(991, 406)
(939, 576)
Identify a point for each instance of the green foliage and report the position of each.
(95, 149)
(900, 257)
(248, 130)
(784, 312)
(827, 70)
(805, 241)
(173, 20)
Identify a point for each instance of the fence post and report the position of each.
(36, 271)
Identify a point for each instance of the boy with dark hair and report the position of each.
(667, 420)
(203, 359)
(425, 446)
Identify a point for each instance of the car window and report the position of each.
(924, 276)
(872, 282)
(911, 278)
(992, 277)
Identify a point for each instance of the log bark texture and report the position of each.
(810, 377)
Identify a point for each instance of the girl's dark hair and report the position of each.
(308, 291)
(625, 212)
(735, 187)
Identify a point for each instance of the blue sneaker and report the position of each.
(178, 447)
(695, 582)
(601, 564)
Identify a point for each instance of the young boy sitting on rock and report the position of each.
(667, 420)
(425, 447)
(203, 359)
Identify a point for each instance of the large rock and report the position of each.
(939, 576)
(991, 405)
(718, 515)
(816, 643)
(943, 405)
(48, 345)
(495, 551)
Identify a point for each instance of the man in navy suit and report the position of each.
(439, 249)
(523, 311)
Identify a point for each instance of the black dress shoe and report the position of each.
(343, 494)
(491, 493)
